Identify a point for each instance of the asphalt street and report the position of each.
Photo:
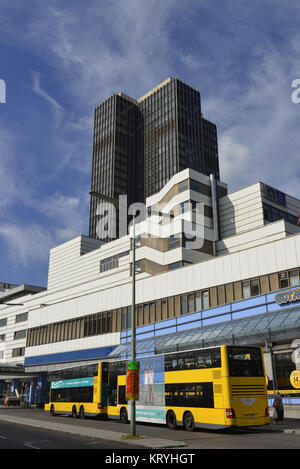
(14, 436)
(90, 432)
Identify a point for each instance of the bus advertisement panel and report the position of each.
(151, 404)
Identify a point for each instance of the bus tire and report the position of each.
(52, 412)
(81, 412)
(123, 415)
(74, 413)
(171, 420)
(188, 421)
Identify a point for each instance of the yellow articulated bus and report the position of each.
(79, 391)
(216, 387)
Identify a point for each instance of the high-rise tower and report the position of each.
(140, 144)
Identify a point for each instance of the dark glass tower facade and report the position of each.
(140, 144)
(117, 156)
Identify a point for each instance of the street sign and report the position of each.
(132, 381)
(295, 379)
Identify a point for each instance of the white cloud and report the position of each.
(37, 88)
(236, 160)
(69, 215)
(27, 244)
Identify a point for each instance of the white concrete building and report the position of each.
(221, 291)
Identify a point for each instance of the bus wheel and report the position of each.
(188, 421)
(74, 413)
(123, 415)
(52, 410)
(171, 420)
(81, 412)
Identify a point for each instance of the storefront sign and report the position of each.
(275, 195)
(295, 379)
(132, 381)
(288, 296)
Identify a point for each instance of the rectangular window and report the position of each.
(21, 317)
(283, 280)
(294, 278)
(175, 265)
(3, 322)
(140, 317)
(20, 334)
(183, 301)
(18, 352)
(183, 186)
(124, 319)
(173, 242)
(244, 362)
(129, 317)
(198, 302)
(146, 313)
(138, 267)
(254, 285)
(194, 185)
(189, 395)
(205, 299)
(191, 303)
(246, 289)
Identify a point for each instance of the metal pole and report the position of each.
(272, 362)
(214, 202)
(133, 345)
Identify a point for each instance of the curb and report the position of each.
(292, 431)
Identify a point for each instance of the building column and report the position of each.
(15, 385)
(32, 391)
(1, 385)
(40, 389)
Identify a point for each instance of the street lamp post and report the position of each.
(133, 331)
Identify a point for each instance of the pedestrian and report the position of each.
(278, 406)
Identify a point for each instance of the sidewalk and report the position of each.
(155, 437)
(39, 419)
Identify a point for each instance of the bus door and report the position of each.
(104, 384)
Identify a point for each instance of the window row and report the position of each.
(17, 335)
(95, 324)
(189, 395)
(19, 318)
(272, 214)
(111, 262)
(197, 359)
(158, 310)
(79, 394)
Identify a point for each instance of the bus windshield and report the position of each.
(244, 361)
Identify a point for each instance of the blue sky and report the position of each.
(61, 58)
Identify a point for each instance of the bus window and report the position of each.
(244, 361)
(122, 395)
(216, 358)
(204, 360)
